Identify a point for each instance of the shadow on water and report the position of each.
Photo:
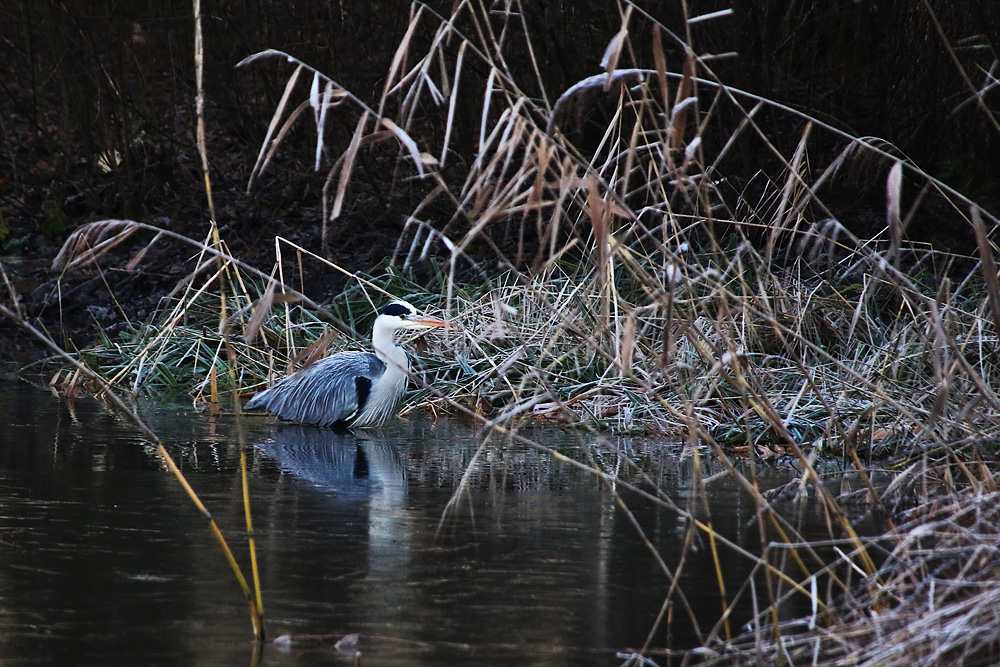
(104, 561)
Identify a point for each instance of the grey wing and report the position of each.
(331, 391)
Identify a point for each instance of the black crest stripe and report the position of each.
(395, 309)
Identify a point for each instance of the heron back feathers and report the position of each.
(334, 391)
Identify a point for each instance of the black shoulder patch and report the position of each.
(395, 309)
(364, 387)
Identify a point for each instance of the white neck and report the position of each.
(386, 349)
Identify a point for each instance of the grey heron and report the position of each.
(350, 388)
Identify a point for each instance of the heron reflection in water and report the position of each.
(352, 388)
(347, 464)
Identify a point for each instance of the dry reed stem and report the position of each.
(252, 598)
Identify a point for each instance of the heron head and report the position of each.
(401, 315)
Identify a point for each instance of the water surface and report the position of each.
(104, 560)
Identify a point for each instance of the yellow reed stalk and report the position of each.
(252, 601)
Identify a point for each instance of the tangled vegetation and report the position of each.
(607, 274)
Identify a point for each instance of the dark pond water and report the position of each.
(104, 560)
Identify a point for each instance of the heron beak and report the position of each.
(431, 322)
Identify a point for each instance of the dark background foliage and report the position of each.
(97, 104)
(115, 79)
